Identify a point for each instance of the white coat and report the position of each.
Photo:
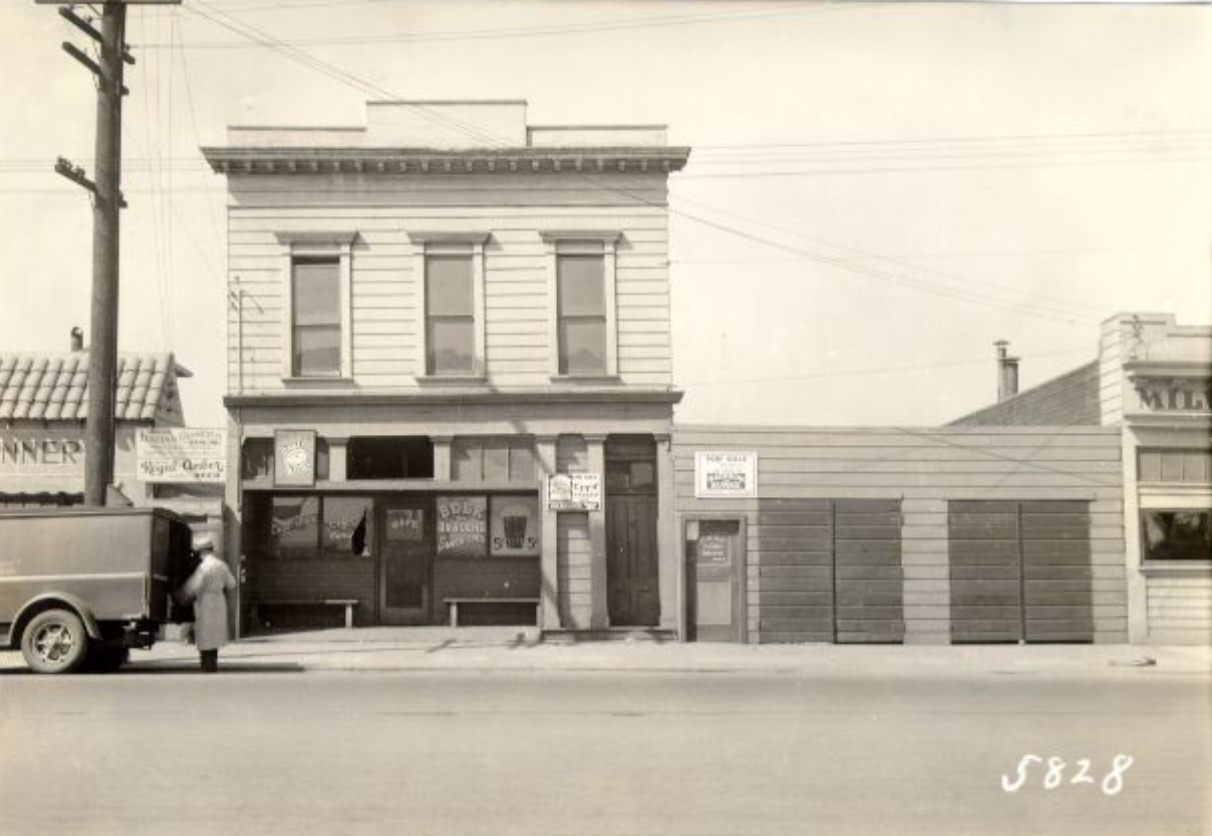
(207, 588)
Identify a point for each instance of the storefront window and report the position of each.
(294, 527)
(1177, 535)
(348, 526)
(462, 526)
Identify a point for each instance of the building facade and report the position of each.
(450, 389)
(909, 535)
(1152, 383)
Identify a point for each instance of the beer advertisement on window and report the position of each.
(514, 526)
(462, 526)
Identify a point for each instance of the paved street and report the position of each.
(271, 748)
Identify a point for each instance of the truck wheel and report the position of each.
(54, 642)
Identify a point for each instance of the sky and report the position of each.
(875, 193)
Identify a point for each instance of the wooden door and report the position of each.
(632, 572)
(406, 559)
(1057, 593)
(868, 578)
(715, 580)
(1020, 571)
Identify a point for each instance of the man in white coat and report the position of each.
(207, 587)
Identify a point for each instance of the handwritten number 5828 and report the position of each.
(1054, 774)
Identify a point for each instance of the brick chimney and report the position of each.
(1007, 372)
(77, 339)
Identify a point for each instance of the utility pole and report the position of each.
(107, 201)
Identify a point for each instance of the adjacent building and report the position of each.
(450, 390)
(43, 408)
(1152, 383)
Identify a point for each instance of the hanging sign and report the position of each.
(179, 454)
(725, 474)
(295, 457)
(574, 492)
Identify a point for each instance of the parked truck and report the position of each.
(81, 586)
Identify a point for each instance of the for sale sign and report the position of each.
(725, 474)
(179, 454)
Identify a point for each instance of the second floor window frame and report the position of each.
(428, 245)
(582, 243)
(304, 246)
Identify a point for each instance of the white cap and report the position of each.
(203, 542)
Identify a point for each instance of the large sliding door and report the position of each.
(1020, 571)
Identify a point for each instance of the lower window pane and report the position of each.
(347, 526)
(450, 346)
(317, 350)
(294, 527)
(583, 346)
(1177, 535)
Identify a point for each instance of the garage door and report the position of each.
(1020, 571)
(830, 571)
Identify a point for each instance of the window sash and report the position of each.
(1182, 534)
(316, 350)
(582, 345)
(450, 344)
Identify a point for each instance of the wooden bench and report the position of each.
(348, 603)
(454, 603)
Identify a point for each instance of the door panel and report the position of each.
(406, 560)
(633, 594)
(1020, 571)
(715, 568)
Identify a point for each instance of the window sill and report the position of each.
(1177, 568)
(585, 378)
(440, 379)
(319, 380)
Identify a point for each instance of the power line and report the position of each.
(875, 370)
(964, 280)
(500, 33)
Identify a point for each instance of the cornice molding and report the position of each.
(305, 160)
(347, 399)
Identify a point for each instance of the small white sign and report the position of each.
(574, 492)
(725, 474)
(178, 454)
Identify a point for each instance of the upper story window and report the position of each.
(581, 304)
(450, 319)
(581, 290)
(450, 281)
(316, 318)
(315, 300)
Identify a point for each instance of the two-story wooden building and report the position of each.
(432, 315)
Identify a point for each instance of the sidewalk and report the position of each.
(491, 649)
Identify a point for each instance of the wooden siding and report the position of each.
(1180, 609)
(573, 569)
(312, 580)
(925, 468)
(384, 296)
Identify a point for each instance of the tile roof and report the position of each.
(54, 387)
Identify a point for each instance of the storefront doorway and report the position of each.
(406, 540)
(632, 567)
